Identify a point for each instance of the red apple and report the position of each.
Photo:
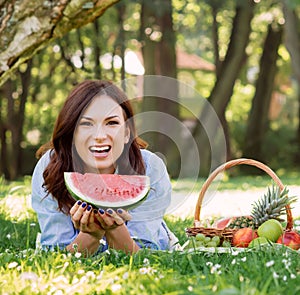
(243, 236)
(291, 239)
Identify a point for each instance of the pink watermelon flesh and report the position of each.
(108, 190)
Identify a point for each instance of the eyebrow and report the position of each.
(108, 118)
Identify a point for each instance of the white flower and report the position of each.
(90, 274)
(13, 264)
(8, 236)
(125, 276)
(78, 254)
(244, 259)
(31, 276)
(235, 253)
(270, 263)
(233, 261)
(293, 276)
(116, 287)
(146, 261)
(275, 275)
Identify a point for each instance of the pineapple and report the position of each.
(271, 205)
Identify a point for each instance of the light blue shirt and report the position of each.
(147, 227)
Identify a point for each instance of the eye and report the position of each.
(113, 122)
(85, 123)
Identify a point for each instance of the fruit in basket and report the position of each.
(291, 239)
(243, 236)
(257, 242)
(200, 237)
(271, 206)
(235, 222)
(200, 240)
(226, 244)
(270, 229)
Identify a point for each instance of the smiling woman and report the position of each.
(101, 135)
(95, 133)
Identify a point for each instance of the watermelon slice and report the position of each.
(108, 190)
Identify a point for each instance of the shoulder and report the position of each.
(37, 176)
(151, 159)
(155, 166)
(43, 161)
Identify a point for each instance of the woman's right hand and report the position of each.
(111, 219)
(84, 219)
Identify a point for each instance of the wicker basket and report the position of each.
(227, 233)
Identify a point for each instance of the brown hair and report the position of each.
(130, 162)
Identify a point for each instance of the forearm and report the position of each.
(84, 243)
(119, 239)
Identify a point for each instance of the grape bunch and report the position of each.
(200, 240)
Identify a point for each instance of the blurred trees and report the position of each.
(246, 40)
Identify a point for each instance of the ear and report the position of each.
(127, 135)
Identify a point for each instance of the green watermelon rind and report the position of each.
(124, 204)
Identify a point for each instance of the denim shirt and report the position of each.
(146, 227)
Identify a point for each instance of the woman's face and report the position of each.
(100, 135)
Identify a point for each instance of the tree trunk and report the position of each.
(26, 26)
(258, 122)
(159, 54)
(97, 51)
(207, 132)
(292, 41)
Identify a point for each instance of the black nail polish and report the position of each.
(101, 211)
(79, 202)
(109, 211)
(95, 211)
(83, 205)
(89, 207)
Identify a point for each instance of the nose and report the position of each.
(100, 134)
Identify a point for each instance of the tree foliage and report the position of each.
(51, 57)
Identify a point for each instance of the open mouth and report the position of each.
(100, 149)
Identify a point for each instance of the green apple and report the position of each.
(258, 242)
(270, 229)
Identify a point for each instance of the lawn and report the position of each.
(26, 270)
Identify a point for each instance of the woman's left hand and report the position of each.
(110, 219)
(84, 219)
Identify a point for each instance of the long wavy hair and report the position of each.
(64, 157)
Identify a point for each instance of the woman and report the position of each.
(95, 132)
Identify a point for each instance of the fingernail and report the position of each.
(95, 211)
(79, 202)
(109, 211)
(83, 205)
(101, 211)
(89, 207)
(120, 211)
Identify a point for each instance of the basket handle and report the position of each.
(230, 164)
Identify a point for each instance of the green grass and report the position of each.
(24, 270)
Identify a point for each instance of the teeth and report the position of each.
(100, 149)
